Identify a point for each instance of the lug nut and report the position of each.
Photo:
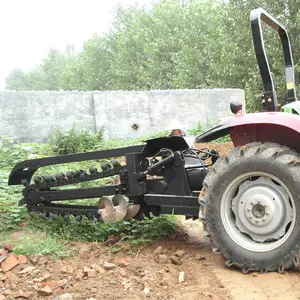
(264, 219)
(256, 221)
(248, 209)
(258, 201)
(252, 203)
(250, 217)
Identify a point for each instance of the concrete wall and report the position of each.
(33, 116)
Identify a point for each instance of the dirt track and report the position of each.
(253, 286)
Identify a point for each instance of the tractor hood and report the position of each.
(277, 127)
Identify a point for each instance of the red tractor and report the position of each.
(248, 200)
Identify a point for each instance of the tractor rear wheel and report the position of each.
(250, 207)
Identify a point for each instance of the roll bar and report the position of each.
(268, 96)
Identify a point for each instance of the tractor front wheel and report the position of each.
(251, 207)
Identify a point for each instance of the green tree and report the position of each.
(17, 80)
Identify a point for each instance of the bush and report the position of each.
(74, 141)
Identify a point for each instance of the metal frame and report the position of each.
(26, 169)
(170, 192)
(269, 98)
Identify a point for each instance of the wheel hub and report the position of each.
(262, 209)
(258, 211)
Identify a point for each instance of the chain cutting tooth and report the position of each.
(38, 179)
(105, 166)
(70, 174)
(48, 179)
(115, 164)
(58, 177)
(116, 210)
(83, 175)
(77, 173)
(93, 170)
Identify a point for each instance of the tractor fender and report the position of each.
(278, 127)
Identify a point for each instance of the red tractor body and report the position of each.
(277, 127)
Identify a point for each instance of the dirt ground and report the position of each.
(222, 148)
(180, 266)
(151, 273)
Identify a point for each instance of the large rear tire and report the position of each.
(250, 207)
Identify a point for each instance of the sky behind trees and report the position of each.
(29, 28)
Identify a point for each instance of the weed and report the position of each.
(74, 141)
(11, 152)
(12, 217)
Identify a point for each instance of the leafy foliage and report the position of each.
(74, 141)
(134, 231)
(12, 217)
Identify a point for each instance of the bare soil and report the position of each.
(222, 148)
(152, 272)
(145, 275)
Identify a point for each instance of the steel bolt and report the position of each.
(259, 201)
(252, 203)
(267, 213)
(264, 219)
(248, 209)
(250, 217)
(256, 221)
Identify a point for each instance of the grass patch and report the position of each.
(35, 243)
(48, 245)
